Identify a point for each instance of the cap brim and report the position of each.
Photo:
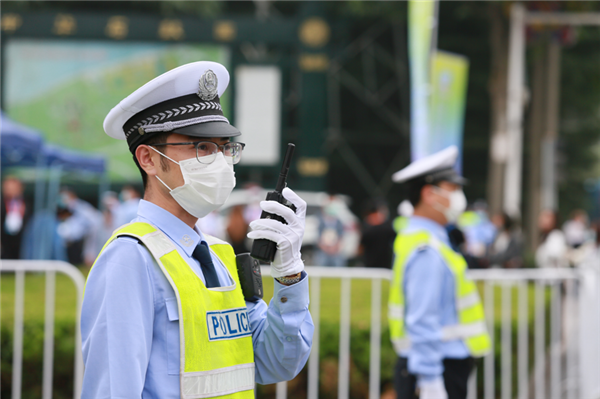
(209, 129)
(457, 179)
(448, 175)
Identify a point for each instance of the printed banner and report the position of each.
(421, 25)
(449, 76)
(66, 88)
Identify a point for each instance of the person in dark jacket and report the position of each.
(14, 216)
(378, 234)
(507, 249)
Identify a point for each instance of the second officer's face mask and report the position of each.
(206, 185)
(458, 204)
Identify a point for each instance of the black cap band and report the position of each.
(170, 115)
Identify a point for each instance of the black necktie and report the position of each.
(202, 254)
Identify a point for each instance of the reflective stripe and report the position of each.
(401, 344)
(467, 301)
(208, 384)
(396, 312)
(449, 333)
(158, 244)
(435, 243)
(462, 331)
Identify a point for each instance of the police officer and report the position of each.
(436, 318)
(163, 314)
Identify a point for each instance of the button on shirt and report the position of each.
(430, 298)
(130, 328)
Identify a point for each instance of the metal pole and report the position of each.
(488, 376)
(523, 347)
(18, 334)
(472, 384)
(281, 390)
(540, 353)
(506, 342)
(549, 189)
(375, 355)
(49, 335)
(555, 341)
(344, 358)
(313, 360)
(535, 156)
(571, 339)
(514, 111)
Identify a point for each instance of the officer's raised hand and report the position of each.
(288, 237)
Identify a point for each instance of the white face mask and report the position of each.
(206, 186)
(458, 204)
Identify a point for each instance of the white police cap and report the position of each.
(432, 168)
(184, 100)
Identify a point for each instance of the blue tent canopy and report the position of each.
(23, 146)
(73, 161)
(19, 144)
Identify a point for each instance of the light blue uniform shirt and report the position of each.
(429, 293)
(130, 328)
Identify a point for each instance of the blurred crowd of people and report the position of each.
(334, 235)
(77, 229)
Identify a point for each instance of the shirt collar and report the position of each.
(179, 232)
(416, 223)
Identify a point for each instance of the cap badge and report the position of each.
(208, 86)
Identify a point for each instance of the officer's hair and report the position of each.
(415, 187)
(155, 139)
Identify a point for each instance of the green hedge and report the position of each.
(33, 354)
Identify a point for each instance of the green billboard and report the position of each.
(65, 88)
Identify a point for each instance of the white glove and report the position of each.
(288, 237)
(432, 389)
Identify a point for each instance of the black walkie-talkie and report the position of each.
(250, 277)
(263, 249)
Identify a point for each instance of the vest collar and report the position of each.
(418, 223)
(179, 232)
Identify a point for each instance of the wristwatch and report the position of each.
(289, 280)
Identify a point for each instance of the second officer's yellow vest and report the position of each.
(471, 322)
(216, 352)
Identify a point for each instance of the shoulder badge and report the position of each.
(208, 86)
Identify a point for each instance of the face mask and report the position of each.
(206, 186)
(458, 204)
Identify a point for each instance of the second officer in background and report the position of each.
(436, 318)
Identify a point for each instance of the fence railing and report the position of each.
(50, 268)
(554, 314)
(548, 325)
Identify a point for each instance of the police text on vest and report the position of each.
(228, 324)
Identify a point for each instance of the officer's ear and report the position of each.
(427, 194)
(148, 159)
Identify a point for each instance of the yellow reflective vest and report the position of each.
(471, 328)
(216, 352)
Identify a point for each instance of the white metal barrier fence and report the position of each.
(564, 325)
(50, 268)
(566, 345)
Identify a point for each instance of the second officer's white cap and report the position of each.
(432, 168)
